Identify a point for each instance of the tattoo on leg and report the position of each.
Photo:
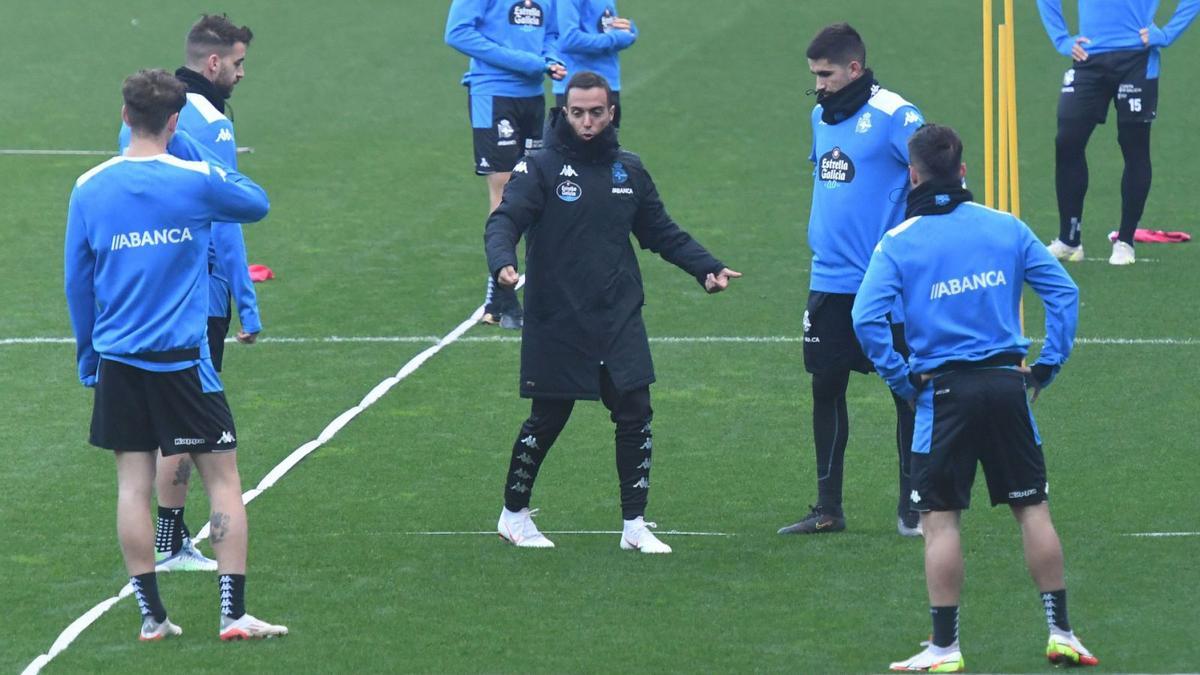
(182, 472)
(218, 527)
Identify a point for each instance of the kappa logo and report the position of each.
(524, 458)
(645, 464)
(530, 442)
(644, 483)
(648, 445)
(864, 124)
(568, 191)
(1069, 77)
(225, 135)
(519, 488)
(483, 163)
(568, 171)
(523, 474)
(521, 167)
(914, 497)
(226, 437)
(911, 117)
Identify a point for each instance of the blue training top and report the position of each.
(587, 41)
(510, 42)
(860, 183)
(959, 276)
(1114, 25)
(135, 258)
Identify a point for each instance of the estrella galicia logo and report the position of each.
(606, 21)
(941, 200)
(619, 174)
(526, 14)
(568, 191)
(834, 167)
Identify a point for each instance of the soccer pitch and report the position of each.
(361, 139)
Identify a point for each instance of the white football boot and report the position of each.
(637, 536)
(1122, 254)
(1064, 252)
(517, 528)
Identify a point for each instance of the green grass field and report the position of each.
(361, 138)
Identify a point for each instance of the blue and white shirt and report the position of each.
(587, 41)
(1114, 25)
(510, 43)
(860, 183)
(136, 257)
(959, 277)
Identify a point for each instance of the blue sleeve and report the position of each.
(1185, 12)
(876, 297)
(574, 40)
(232, 264)
(79, 266)
(550, 44)
(1059, 294)
(233, 197)
(1056, 25)
(905, 123)
(463, 34)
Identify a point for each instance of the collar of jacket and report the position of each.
(843, 103)
(198, 84)
(602, 148)
(934, 198)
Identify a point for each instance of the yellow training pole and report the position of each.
(1013, 168)
(1002, 122)
(989, 177)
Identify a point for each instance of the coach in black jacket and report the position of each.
(576, 203)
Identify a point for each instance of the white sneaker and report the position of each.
(518, 529)
(1066, 649)
(153, 630)
(1122, 254)
(188, 559)
(909, 530)
(934, 660)
(638, 537)
(1064, 252)
(248, 627)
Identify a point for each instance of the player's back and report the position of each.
(201, 120)
(147, 223)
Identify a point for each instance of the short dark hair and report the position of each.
(839, 44)
(151, 97)
(936, 152)
(589, 80)
(215, 33)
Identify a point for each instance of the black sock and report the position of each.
(145, 591)
(831, 423)
(170, 531)
(546, 420)
(233, 595)
(1055, 604)
(1071, 176)
(945, 625)
(1135, 181)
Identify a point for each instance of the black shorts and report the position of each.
(976, 416)
(218, 330)
(1117, 77)
(560, 100)
(141, 411)
(829, 340)
(504, 129)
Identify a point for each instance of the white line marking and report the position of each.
(698, 339)
(1140, 260)
(1163, 534)
(679, 533)
(79, 625)
(40, 152)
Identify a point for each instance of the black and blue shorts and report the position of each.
(970, 416)
(504, 129)
(1120, 78)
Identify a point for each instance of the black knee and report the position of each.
(1072, 137)
(830, 385)
(1134, 139)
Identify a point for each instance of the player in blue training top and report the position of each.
(859, 181)
(958, 269)
(215, 52)
(512, 45)
(1116, 59)
(136, 278)
(591, 35)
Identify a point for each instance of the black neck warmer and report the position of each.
(846, 101)
(602, 148)
(198, 84)
(934, 198)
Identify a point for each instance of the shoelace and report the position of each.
(528, 529)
